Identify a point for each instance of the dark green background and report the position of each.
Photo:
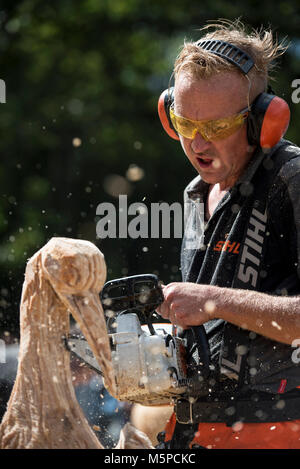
(93, 70)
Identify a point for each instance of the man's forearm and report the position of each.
(277, 318)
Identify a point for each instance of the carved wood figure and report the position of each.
(63, 278)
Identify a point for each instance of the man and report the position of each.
(242, 282)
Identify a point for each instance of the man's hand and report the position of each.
(191, 304)
(187, 304)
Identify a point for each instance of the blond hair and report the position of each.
(260, 45)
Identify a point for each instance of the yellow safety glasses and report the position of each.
(210, 130)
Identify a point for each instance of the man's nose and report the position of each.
(199, 144)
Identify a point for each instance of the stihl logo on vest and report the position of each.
(252, 249)
(227, 246)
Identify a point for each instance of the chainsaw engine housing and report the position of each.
(150, 368)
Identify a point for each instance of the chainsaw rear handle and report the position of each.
(201, 340)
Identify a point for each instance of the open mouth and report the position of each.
(204, 162)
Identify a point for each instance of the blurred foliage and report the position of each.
(82, 82)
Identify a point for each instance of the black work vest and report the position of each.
(251, 241)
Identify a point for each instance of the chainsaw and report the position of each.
(154, 363)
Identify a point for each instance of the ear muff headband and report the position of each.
(229, 52)
(269, 117)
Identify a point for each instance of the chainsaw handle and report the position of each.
(201, 340)
(126, 294)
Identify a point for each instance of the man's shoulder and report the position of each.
(288, 154)
(286, 185)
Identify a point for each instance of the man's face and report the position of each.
(223, 95)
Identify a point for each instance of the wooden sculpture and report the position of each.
(63, 277)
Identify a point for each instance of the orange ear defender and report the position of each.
(164, 103)
(268, 120)
(269, 116)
